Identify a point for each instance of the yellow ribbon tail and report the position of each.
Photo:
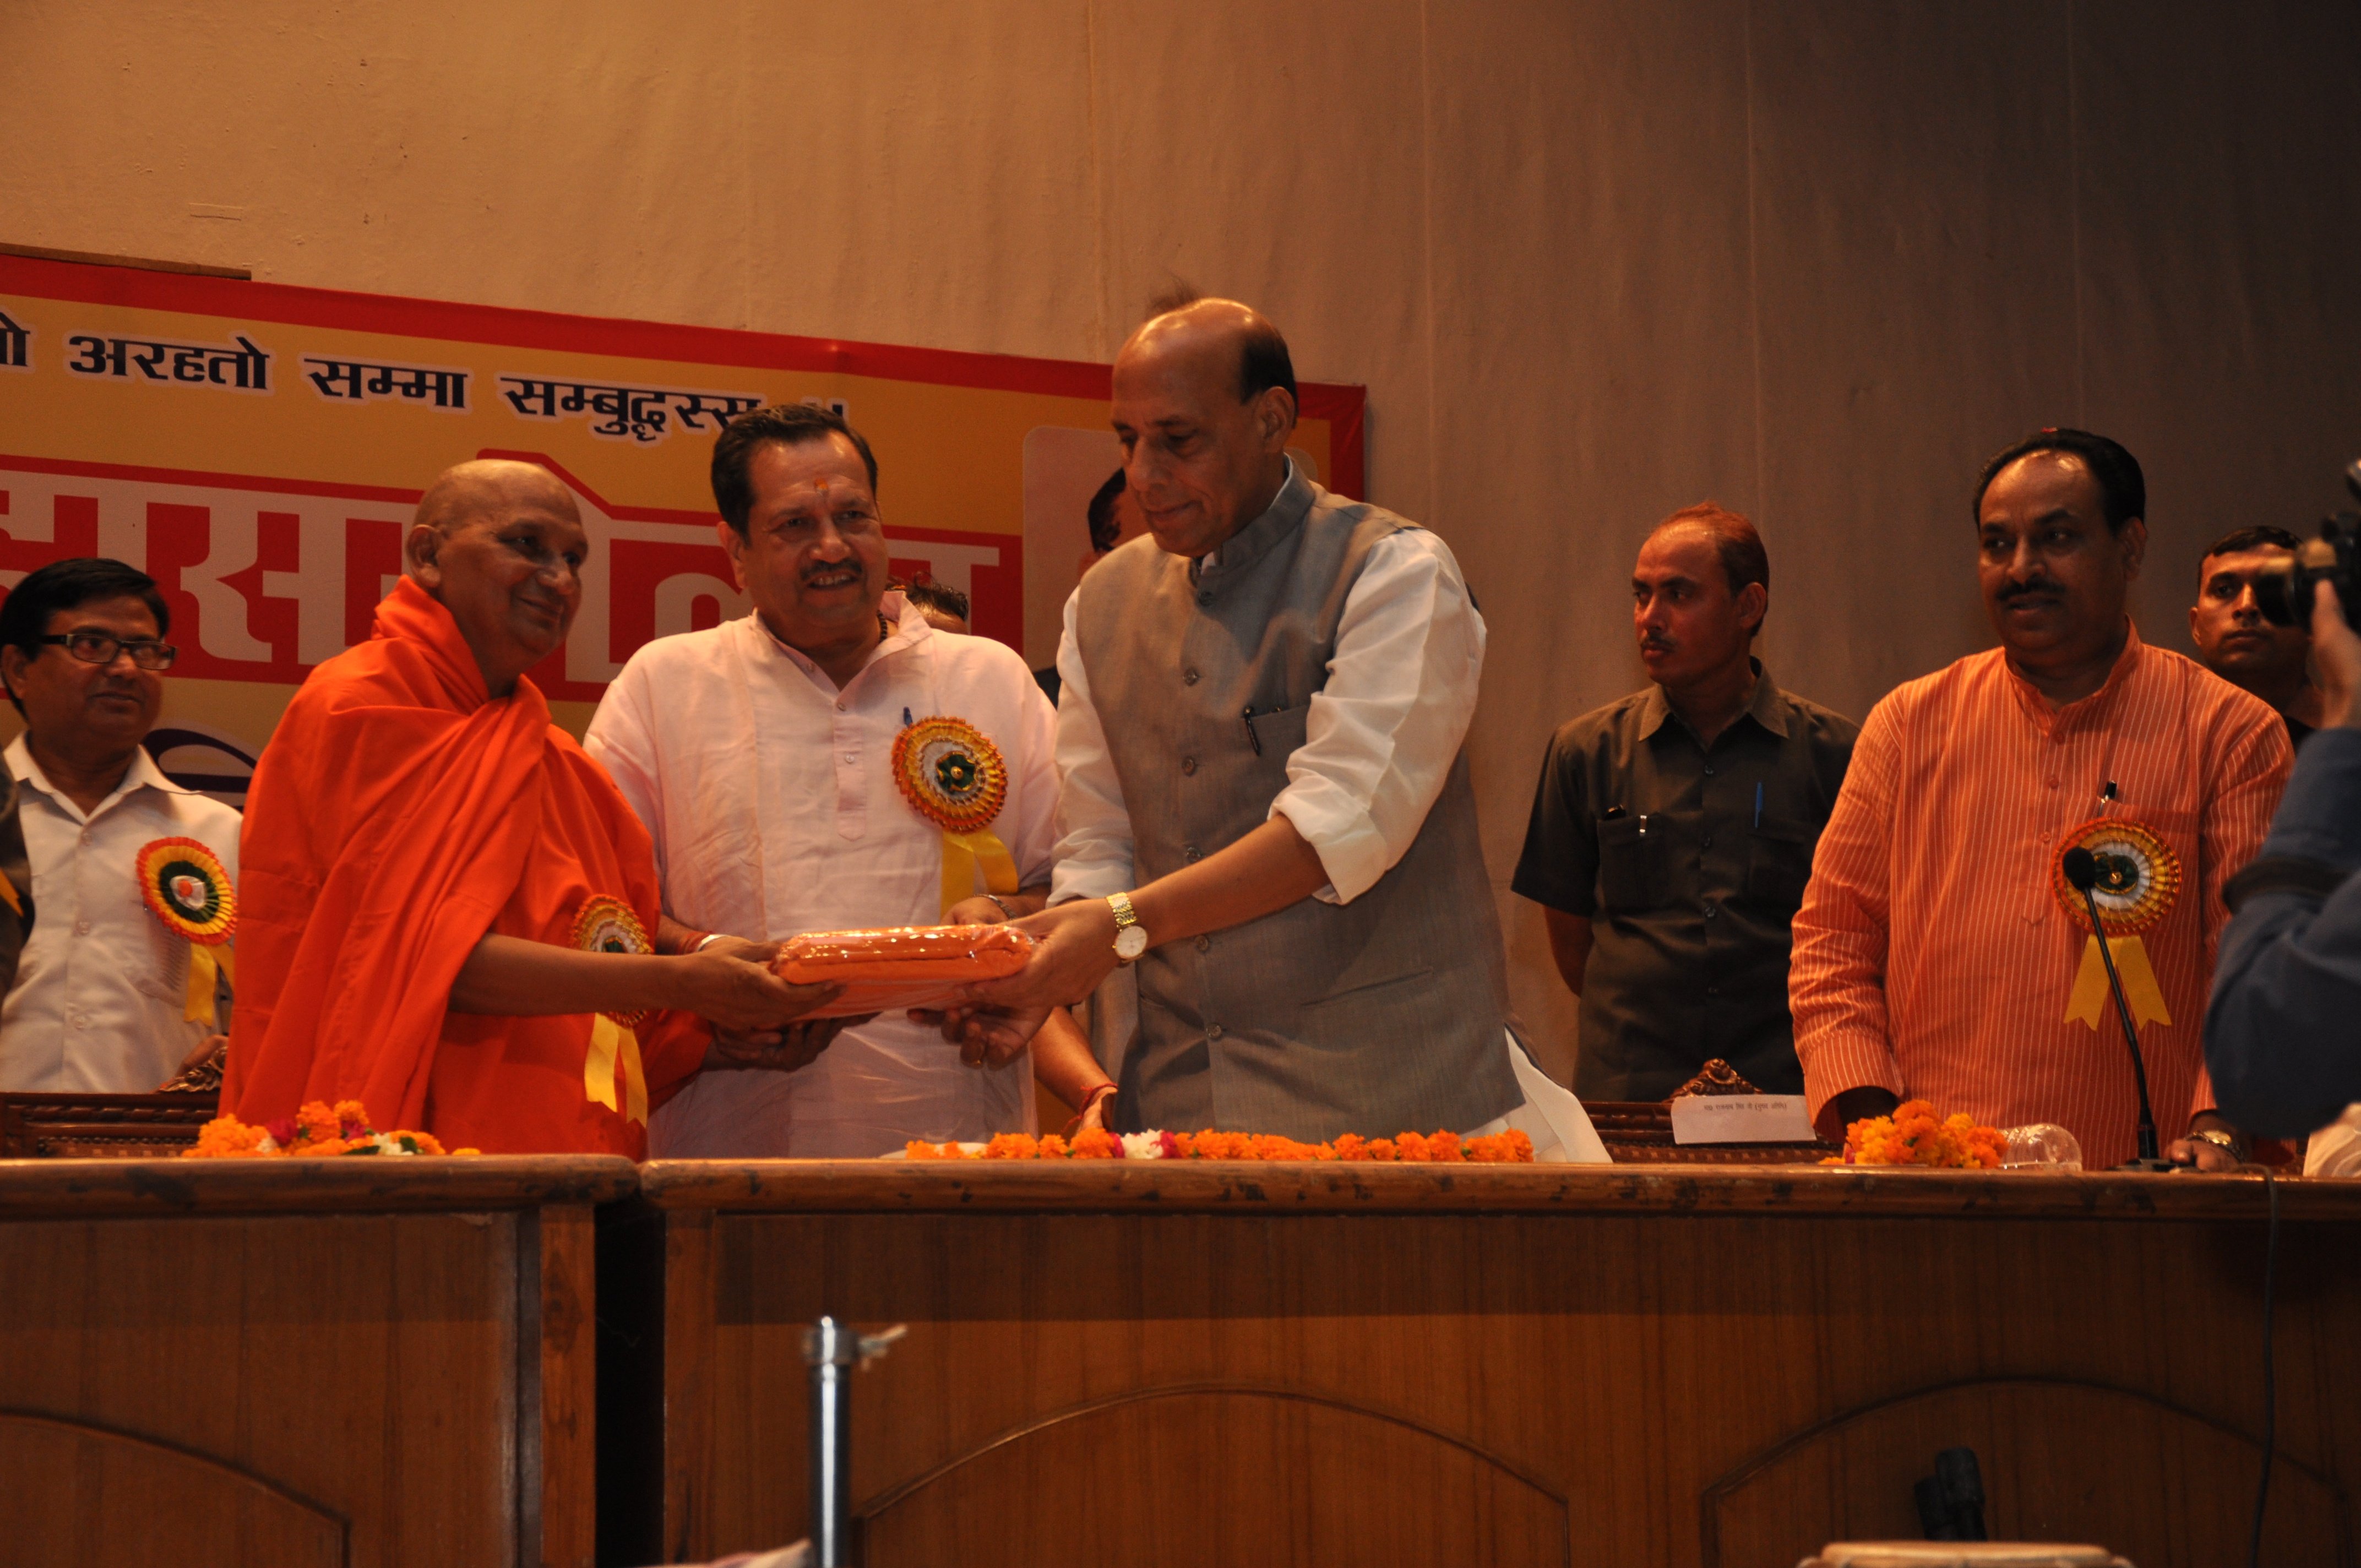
(612, 1044)
(965, 854)
(8, 896)
(205, 969)
(2089, 999)
(635, 1086)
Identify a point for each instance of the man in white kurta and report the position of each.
(763, 776)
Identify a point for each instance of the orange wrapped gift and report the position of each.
(907, 966)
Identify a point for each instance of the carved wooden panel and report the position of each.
(1628, 1356)
(85, 1496)
(424, 1376)
(1191, 1476)
(102, 1126)
(2061, 1461)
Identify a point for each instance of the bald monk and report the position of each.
(1265, 806)
(432, 873)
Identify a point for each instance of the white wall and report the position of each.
(1594, 260)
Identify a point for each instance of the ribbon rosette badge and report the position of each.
(186, 886)
(952, 776)
(608, 925)
(2140, 876)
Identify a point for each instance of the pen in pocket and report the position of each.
(1758, 805)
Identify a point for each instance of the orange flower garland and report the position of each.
(1439, 1149)
(316, 1131)
(1913, 1136)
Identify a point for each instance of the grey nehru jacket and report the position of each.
(1377, 1016)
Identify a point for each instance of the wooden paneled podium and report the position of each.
(1166, 1364)
(308, 1364)
(377, 1362)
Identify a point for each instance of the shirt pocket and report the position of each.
(1632, 870)
(1272, 736)
(165, 977)
(1779, 862)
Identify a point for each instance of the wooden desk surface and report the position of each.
(95, 1188)
(1179, 1187)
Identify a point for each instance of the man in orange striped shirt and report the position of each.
(1935, 955)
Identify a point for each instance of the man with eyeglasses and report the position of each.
(103, 1000)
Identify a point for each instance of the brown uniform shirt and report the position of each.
(1689, 864)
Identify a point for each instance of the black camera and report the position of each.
(2284, 594)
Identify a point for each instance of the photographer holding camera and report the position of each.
(2279, 1034)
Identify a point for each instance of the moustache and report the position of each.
(2039, 586)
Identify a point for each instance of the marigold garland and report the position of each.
(1913, 1136)
(1510, 1147)
(316, 1131)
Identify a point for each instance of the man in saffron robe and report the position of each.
(445, 902)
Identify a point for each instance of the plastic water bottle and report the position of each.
(2043, 1146)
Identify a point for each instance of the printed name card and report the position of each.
(1740, 1119)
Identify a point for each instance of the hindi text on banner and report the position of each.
(245, 367)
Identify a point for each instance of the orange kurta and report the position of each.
(399, 816)
(1933, 958)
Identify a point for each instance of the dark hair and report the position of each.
(1263, 359)
(932, 594)
(2261, 537)
(2123, 492)
(1264, 363)
(69, 584)
(1179, 296)
(1735, 540)
(789, 424)
(1105, 533)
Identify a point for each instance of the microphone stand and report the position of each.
(2085, 882)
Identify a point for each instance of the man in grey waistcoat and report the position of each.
(1264, 805)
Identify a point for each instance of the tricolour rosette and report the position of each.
(186, 886)
(609, 926)
(953, 775)
(2138, 877)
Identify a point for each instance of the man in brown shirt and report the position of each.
(1672, 832)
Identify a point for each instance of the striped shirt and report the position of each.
(1932, 957)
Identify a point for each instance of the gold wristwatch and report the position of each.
(1130, 936)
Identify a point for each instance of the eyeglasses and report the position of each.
(97, 648)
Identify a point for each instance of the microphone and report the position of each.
(2081, 868)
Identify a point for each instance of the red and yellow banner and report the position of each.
(258, 449)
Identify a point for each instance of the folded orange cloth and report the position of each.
(903, 967)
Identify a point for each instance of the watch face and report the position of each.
(1129, 943)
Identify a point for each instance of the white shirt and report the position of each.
(770, 796)
(2335, 1149)
(1379, 737)
(103, 985)
(1379, 741)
